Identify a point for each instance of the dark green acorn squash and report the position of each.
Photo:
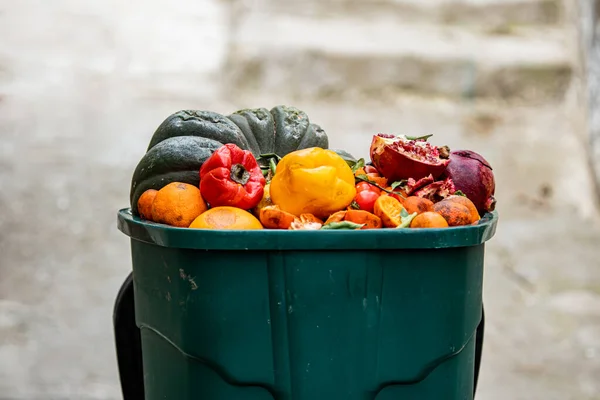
(187, 138)
(280, 131)
(176, 159)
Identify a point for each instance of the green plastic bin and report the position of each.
(307, 315)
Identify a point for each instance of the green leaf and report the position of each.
(406, 220)
(272, 166)
(358, 165)
(403, 213)
(394, 185)
(419, 137)
(267, 156)
(343, 225)
(460, 193)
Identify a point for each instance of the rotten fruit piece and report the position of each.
(399, 157)
(271, 217)
(414, 185)
(370, 220)
(473, 176)
(306, 222)
(366, 219)
(436, 191)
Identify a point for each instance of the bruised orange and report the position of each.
(388, 209)
(429, 219)
(145, 204)
(417, 204)
(177, 204)
(467, 203)
(226, 217)
(454, 213)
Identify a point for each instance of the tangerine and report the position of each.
(145, 204)
(177, 204)
(226, 217)
(429, 219)
(388, 209)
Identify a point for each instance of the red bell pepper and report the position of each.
(232, 177)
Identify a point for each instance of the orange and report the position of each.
(417, 204)
(226, 217)
(468, 203)
(177, 204)
(429, 219)
(454, 213)
(144, 204)
(388, 209)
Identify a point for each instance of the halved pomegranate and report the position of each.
(402, 157)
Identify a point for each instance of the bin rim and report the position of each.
(279, 240)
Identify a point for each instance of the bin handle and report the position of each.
(128, 343)
(478, 348)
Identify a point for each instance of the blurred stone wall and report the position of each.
(83, 85)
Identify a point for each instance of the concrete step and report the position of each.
(307, 57)
(489, 13)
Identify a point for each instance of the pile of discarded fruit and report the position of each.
(259, 168)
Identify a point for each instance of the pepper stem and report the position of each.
(239, 174)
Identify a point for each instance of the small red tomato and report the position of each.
(369, 169)
(366, 200)
(361, 186)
